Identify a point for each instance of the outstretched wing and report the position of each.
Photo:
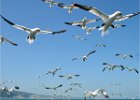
(91, 53)
(59, 86)
(23, 28)
(127, 16)
(92, 10)
(10, 42)
(51, 32)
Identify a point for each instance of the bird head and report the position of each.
(118, 13)
(37, 29)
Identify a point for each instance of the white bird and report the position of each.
(32, 32)
(95, 93)
(53, 72)
(79, 37)
(52, 2)
(82, 23)
(100, 45)
(85, 57)
(2, 39)
(76, 84)
(115, 84)
(54, 88)
(107, 19)
(70, 89)
(69, 76)
(112, 66)
(69, 7)
(88, 30)
(124, 56)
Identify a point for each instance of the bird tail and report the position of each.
(104, 31)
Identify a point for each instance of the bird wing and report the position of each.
(91, 53)
(76, 75)
(76, 58)
(48, 88)
(23, 28)
(130, 56)
(49, 1)
(59, 86)
(51, 32)
(74, 23)
(107, 64)
(127, 16)
(119, 25)
(10, 42)
(92, 10)
(62, 76)
(104, 69)
(93, 20)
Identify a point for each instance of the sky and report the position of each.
(24, 63)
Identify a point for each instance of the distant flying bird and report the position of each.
(112, 66)
(124, 56)
(100, 45)
(88, 30)
(53, 72)
(82, 23)
(69, 76)
(52, 2)
(96, 92)
(76, 84)
(115, 84)
(2, 39)
(132, 69)
(32, 32)
(79, 37)
(54, 88)
(85, 57)
(69, 7)
(70, 89)
(107, 19)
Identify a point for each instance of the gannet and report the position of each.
(85, 57)
(107, 19)
(32, 32)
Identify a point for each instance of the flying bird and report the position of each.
(79, 37)
(53, 72)
(100, 45)
(54, 88)
(69, 7)
(112, 66)
(2, 39)
(32, 32)
(107, 19)
(124, 56)
(76, 84)
(85, 57)
(69, 76)
(115, 84)
(95, 93)
(52, 2)
(82, 23)
(70, 89)
(88, 30)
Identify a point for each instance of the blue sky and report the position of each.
(25, 62)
